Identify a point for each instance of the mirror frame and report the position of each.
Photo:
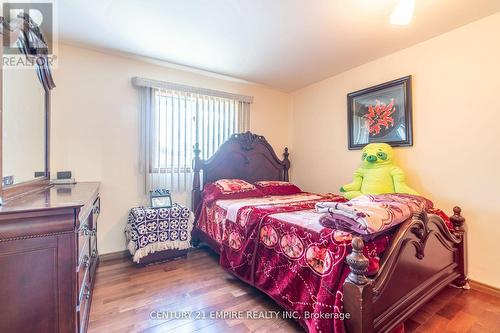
(27, 30)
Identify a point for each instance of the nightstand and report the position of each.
(158, 234)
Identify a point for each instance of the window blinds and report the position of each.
(175, 119)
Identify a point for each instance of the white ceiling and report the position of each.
(286, 44)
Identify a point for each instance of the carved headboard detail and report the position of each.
(244, 156)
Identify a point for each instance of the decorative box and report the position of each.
(158, 234)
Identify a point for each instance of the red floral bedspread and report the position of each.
(282, 249)
(213, 214)
(278, 245)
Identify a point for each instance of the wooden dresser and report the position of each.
(48, 258)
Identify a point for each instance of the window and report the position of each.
(178, 120)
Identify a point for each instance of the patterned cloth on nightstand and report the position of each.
(150, 230)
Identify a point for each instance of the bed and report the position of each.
(379, 283)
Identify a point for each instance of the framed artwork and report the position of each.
(160, 198)
(381, 114)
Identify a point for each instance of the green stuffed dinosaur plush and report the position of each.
(377, 174)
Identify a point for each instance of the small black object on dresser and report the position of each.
(63, 174)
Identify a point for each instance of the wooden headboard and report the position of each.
(244, 156)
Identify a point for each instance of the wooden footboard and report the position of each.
(423, 258)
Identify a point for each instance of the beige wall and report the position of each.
(95, 125)
(455, 158)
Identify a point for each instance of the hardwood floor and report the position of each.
(126, 295)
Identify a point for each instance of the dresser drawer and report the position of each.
(84, 235)
(83, 271)
(83, 305)
(87, 262)
(94, 254)
(93, 245)
(96, 210)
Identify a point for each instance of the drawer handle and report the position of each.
(86, 261)
(86, 293)
(85, 230)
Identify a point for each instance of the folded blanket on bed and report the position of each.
(371, 214)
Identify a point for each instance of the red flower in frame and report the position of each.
(380, 115)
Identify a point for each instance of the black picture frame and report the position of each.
(393, 125)
(160, 198)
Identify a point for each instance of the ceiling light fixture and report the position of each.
(402, 14)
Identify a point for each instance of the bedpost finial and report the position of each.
(457, 219)
(196, 159)
(357, 262)
(286, 164)
(358, 244)
(285, 155)
(196, 191)
(196, 149)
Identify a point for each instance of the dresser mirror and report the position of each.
(23, 127)
(25, 102)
